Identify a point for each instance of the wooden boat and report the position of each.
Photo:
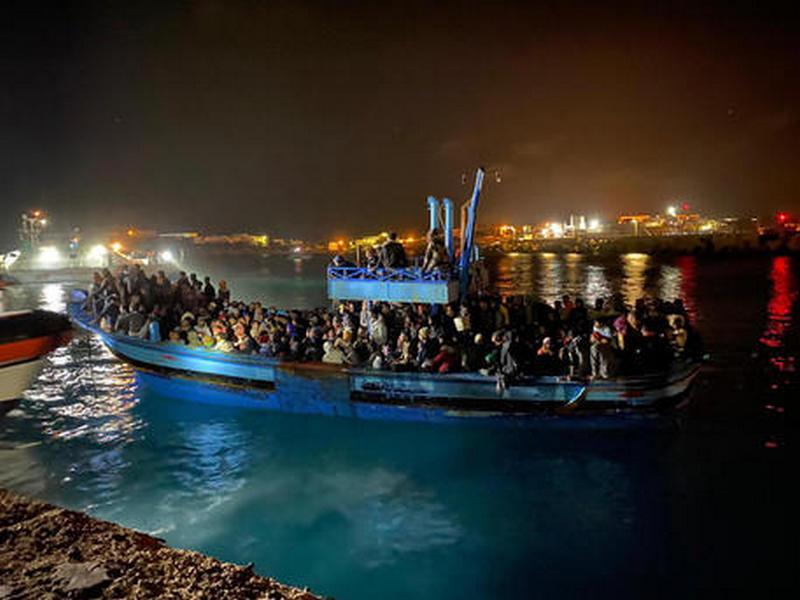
(25, 338)
(316, 388)
(298, 387)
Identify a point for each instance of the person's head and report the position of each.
(497, 338)
(547, 343)
(392, 236)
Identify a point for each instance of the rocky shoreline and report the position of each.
(47, 552)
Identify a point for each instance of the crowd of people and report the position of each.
(507, 336)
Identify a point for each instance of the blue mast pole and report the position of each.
(468, 235)
(433, 209)
(448, 228)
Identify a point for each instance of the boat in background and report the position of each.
(26, 337)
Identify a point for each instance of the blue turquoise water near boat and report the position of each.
(703, 505)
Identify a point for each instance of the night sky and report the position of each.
(309, 119)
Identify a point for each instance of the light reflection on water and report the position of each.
(53, 297)
(548, 276)
(634, 269)
(350, 507)
(86, 392)
(781, 304)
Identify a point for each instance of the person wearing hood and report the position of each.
(332, 354)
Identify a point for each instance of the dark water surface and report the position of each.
(702, 505)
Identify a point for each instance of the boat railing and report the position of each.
(383, 274)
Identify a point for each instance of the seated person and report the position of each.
(436, 256)
(341, 261)
(547, 361)
(373, 259)
(392, 253)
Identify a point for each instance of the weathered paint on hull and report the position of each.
(332, 390)
(328, 400)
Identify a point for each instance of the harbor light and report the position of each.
(96, 256)
(166, 256)
(49, 256)
(594, 224)
(116, 246)
(98, 252)
(672, 211)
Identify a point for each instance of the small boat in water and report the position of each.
(253, 381)
(25, 338)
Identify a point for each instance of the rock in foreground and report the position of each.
(48, 552)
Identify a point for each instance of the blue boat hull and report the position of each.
(257, 382)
